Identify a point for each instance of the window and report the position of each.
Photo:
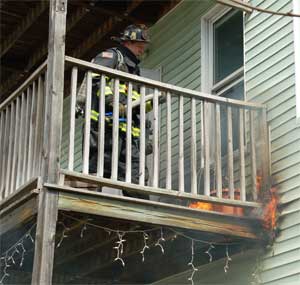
(222, 62)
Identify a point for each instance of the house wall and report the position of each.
(269, 74)
(269, 77)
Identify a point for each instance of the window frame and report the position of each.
(207, 54)
(296, 28)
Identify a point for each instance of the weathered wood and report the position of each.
(206, 149)
(2, 140)
(72, 117)
(87, 123)
(32, 131)
(18, 215)
(128, 134)
(22, 88)
(74, 176)
(32, 184)
(15, 147)
(193, 148)
(169, 142)
(11, 143)
(230, 153)
(101, 128)
(160, 85)
(142, 137)
(242, 155)
(21, 149)
(26, 23)
(47, 205)
(218, 161)
(39, 126)
(26, 135)
(154, 213)
(155, 167)
(253, 156)
(5, 153)
(115, 132)
(181, 145)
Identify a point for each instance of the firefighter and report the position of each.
(123, 57)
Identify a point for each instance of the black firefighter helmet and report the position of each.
(136, 33)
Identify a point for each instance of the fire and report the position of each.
(270, 209)
(202, 206)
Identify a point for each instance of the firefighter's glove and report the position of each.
(79, 111)
(122, 110)
(162, 99)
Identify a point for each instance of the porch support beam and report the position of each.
(47, 204)
(72, 199)
(28, 21)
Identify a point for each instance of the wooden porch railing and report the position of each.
(230, 162)
(21, 129)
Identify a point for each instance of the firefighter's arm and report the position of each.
(108, 58)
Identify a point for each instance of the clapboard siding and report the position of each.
(65, 139)
(176, 48)
(269, 73)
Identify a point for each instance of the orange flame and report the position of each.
(270, 209)
(202, 206)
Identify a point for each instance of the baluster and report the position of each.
(128, 133)
(10, 148)
(26, 136)
(40, 124)
(230, 153)
(72, 117)
(115, 135)
(218, 151)
(5, 152)
(169, 143)
(101, 127)
(21, 148)
(87, 123)
(242, 155)
(206, 149)
(32, 132)
(193, 148)
(142, 136)
(181, 146)
(253, 156)
(16, 143)
(155, 139)
(2, 137)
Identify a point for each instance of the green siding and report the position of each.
(176, 48)
(269, 71)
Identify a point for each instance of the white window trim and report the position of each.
(296, 20)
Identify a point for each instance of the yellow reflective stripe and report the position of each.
(95, 113)
(135, 95)
(135, 132)
(149, 106)
(108, 91)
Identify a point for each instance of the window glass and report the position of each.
(228, 45)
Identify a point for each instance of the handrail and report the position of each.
(164, 86)
(33, 76)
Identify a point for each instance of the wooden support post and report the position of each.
(48, 201)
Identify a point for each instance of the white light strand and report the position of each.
(63, 235)
(82, 230)
(208, 252)
(120, 247)
(191, 263)
(146, 237)
(9, 255)
(161, 239)
(228, 258)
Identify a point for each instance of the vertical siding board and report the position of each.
(270, 79)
